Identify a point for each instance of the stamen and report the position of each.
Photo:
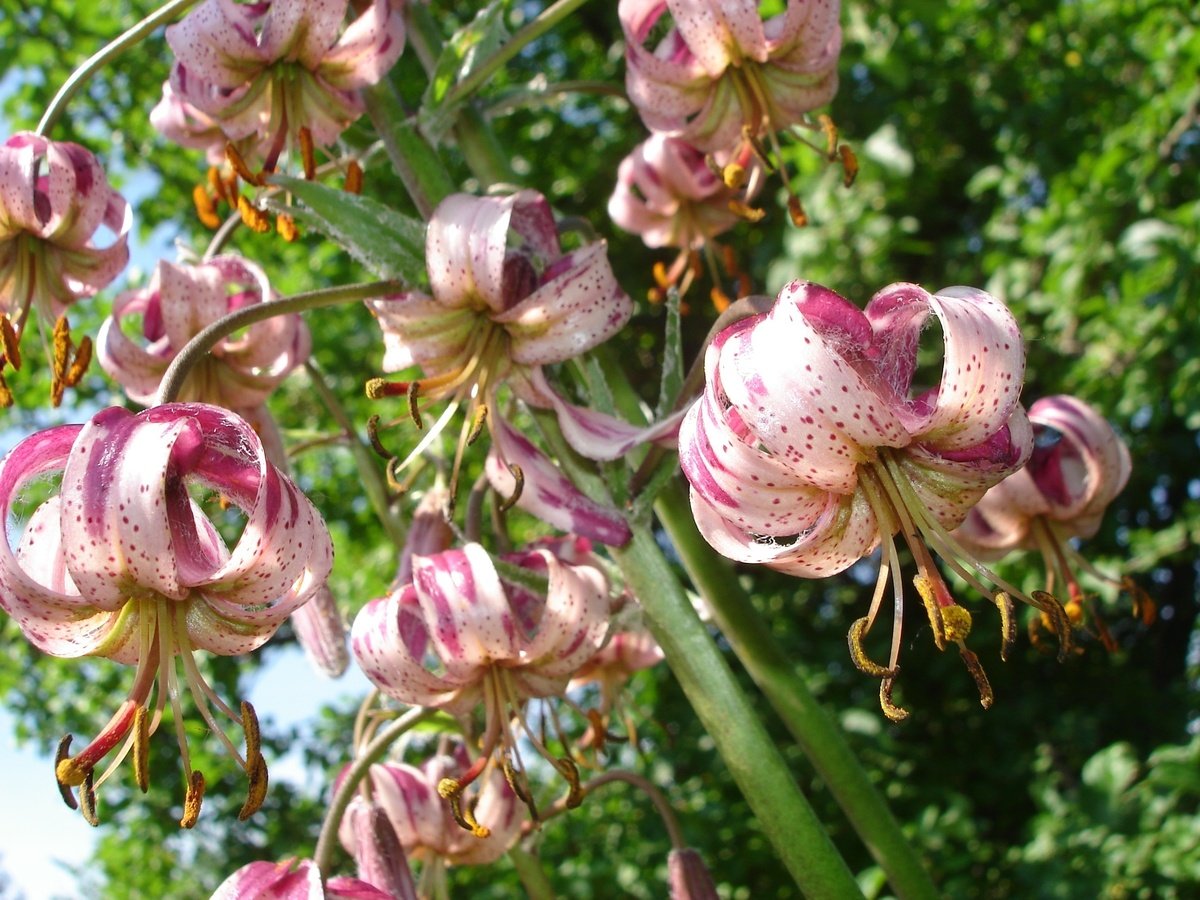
(206, 210)
(849, 165)
(373, 438)
(1059, 620)
(61, 359)
(518, 782)
(141, 748)
(285, 225)
(830, 130)
(256, 790)
(567, 768)
(1008, 623)
(518, 475)
(252, 732)
(451, 790)
(890, 709)
(749, 213)
(10, 342)
(6, 397)
(64, 786)
(192, 800)
(307, 156)
(87, 801)
(720, 300)
(925, 589)
(796, 211)
(217, 185)
(252, 217)
(79, 365)
(734, 176)
(480, 419)
(413, 410)
(858, 655)
(239, 166)
(354, 178)
(981, 680)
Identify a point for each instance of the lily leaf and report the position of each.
(461, 55)
(390, 244)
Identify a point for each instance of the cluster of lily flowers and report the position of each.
(809, 449)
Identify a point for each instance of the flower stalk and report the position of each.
(202, 343)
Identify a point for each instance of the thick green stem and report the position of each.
(358, 770)
(533, 877)
(784, 687)
(418, 165)
(784, 814)
(202, 343)
(104, 55)
(364, 458)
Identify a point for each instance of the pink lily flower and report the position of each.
(669, 195)
(463, 634)
(121, 563)
(293, 879)
(54, 202)
(263, 71)
(179, 121)
(505, 301)
(722, 75)
(810, 447)
(239, 374)
(181, 301)
(424, 825)
(1077, 468)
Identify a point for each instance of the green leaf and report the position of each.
(465, 50)
(388, 243)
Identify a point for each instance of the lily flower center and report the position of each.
(162, 638)
(899, 510)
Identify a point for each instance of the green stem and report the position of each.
(538, 95)
(364, 458)
(202, 343)
(788, 693)
(104, 55)
(418, 165)
(526, 34)
(533, 877)
(358, 770)
(783, 813)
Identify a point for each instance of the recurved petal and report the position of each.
(720, 33)
(419, 330)
(117, 494)
(367, 49)
(578, 306)
(217, 43)
(272, 881)
(390, 641)
(465, 248)
(190, 299)
(139, 371)
(546, 492)
(750, 487)
(574, 620)
(466, 610)
(302, 30)
(845, 532)
(983, 369)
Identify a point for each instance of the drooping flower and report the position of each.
(1078, 466)
(464, 634)
(122, 563)
(239, 374)
(293, 879)
(54, 202)
(424, 825)
(669, 195)
(505, 301)
(721, 77)
(810, 447)
(179, 302)
(264, 71)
